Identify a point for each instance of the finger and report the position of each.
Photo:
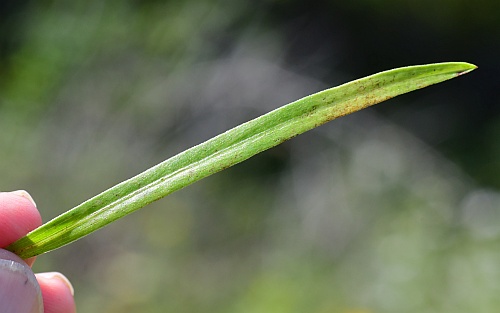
(57, 293)
(18, 216)
(20, 290)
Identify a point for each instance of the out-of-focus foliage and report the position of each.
(357, 216)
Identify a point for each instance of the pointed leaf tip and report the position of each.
(467, 68)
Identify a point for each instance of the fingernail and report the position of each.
(60, 277)
(19, 290)
(25, 194)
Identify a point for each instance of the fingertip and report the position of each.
(20, 289)
(18, 216)
(24, 194)
(57, 293)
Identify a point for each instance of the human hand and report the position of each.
(21, 291)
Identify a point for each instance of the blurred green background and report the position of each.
(393, 209)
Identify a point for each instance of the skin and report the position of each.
(18, 216)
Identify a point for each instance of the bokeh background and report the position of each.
(393, 209)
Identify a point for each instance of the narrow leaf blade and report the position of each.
(230, 148)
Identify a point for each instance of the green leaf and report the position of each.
(228, 149)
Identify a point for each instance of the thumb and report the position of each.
(19, 290)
